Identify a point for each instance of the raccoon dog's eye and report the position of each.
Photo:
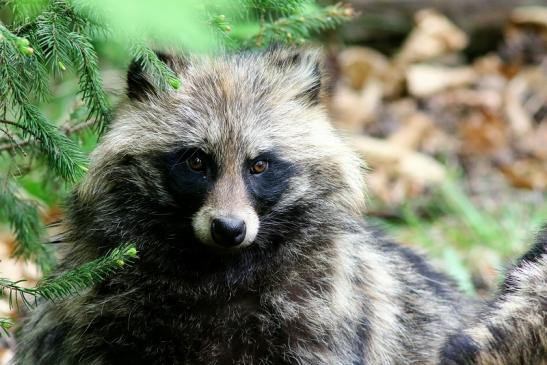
(196, 163)
(259, 167)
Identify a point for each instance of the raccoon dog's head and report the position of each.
(233, 159)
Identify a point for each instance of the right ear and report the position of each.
(140, 84)
(306, 66)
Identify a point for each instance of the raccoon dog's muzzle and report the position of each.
(227, 218)
(228, 229)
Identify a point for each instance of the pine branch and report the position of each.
(162, 75)
(87, 275)
(50, 34)
(14, 54)
(295, 29)
(25, 222)
(276, 7)
(220, 24)
(62, 44)
(5, 325)
(62, 154)
(21, 74)
(71, 282)
(21, 43)
(14, 145)
(16, 293)
(18, 74)
(24, 11)
(9, 144)
(91, 87)
(15, 124)
(90, 22)
(70, 129)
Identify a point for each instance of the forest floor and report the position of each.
(456, 147)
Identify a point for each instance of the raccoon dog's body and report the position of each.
(247, 211)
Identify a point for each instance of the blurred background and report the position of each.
(446, 100)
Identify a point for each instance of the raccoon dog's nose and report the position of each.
(228, 231)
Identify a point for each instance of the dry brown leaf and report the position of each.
(389, 188)
(358, 65)
(530, 15)
(483, 133)
(425, 80)
(535, 143)
(484, 99)
(438, 141)
(488, 64)
(358, 93)
(487, 263)
(9, 267)
(413, 132)
(378, 183)
(419, 168)
(434, 36)
(526, 173)
(52, 214)
(518, 117)
(5, 310)
(352, 110)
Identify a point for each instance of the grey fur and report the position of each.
(316, 286)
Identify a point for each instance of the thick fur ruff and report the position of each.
(310, 284)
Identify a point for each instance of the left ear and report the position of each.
(305, 66)
(140, 84)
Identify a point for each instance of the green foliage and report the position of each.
(152, 65)
(23, 217)
(70, 282)
(297, 27)
(272, 7)
(5, 325)
(61, 37)
(463, 234)
(288, 22)
(61, 153)
(207, 25)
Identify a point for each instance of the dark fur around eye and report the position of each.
(189, 187)
(267, 188)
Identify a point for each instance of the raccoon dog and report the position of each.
(246, 208)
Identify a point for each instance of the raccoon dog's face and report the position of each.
(234, 158)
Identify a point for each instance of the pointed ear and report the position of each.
(303, 65)
(141, 85)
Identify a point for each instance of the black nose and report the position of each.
(228, 231)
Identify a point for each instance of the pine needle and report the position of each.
(161, 74)
(70, 282)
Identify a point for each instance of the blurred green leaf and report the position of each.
(166, 23)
